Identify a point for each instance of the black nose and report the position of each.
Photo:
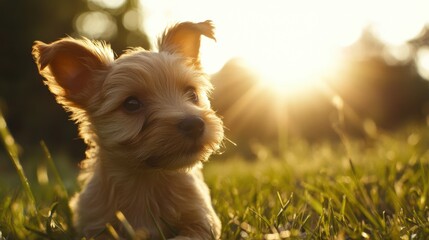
(192, 126)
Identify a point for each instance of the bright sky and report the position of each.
(288, 42)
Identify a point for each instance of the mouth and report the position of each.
(178, 160)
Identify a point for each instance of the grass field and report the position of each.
(377, 189)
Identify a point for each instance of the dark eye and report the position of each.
(191, 93)
(132, 104)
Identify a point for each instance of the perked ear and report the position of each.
(184, 38)
(69, 66)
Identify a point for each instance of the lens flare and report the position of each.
(289, 44)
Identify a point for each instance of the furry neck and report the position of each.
(147, 197)
(115, 171)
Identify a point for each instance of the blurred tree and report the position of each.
(372, 82)
(25, 101)
(378, 90)
(380, 86)
(119, 22)
(28, 106)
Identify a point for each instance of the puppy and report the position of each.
(147, 121)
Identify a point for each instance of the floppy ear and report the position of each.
(184, 38)
(69, 66)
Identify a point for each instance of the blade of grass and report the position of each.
(112, 231)
(315, 204)
(371, 213)
(48, 224)
(284, 205)
(99, 234)
(128, 228)
(12, 150)
(261, 217)
(54, 170)
(280, 199)
(343, 208)
(156, 223)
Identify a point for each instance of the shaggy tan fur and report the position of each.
(144, 154)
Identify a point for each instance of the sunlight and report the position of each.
(423, 62)
(96, 24)
(111, 4)
(403, 20)
(289, 44)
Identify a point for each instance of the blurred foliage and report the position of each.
(27, 104)
(376, 90)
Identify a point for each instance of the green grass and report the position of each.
(376, 189)
(321, 193)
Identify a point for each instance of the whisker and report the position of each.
(229, 140)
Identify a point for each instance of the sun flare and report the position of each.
(290, 44)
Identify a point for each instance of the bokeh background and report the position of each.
(281, 69)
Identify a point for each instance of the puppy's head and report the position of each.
(144, 109)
